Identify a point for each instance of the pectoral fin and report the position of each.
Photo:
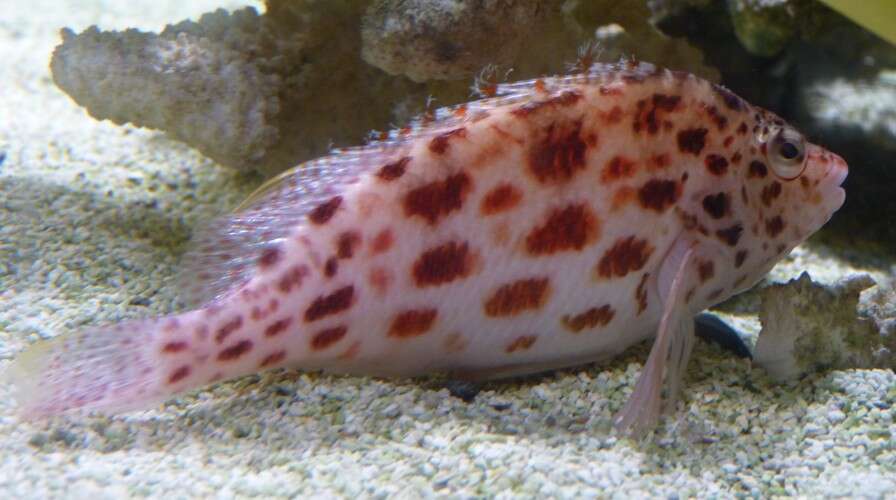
(661, 376)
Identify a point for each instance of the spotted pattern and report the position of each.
(327, 337)
(394, 170)
(716, 205)
(443, 264)
(716, 164)
(325, 211)
(619, 167)
(514, 298)
(327, 305)
(412, 323)
(502, 198)
(277, 327)
(658, 195)
(593, 317)
(228, 328)
(440, 143)
(570, 228)
(521, 343)
(628, 254)
(560, 155)
(774, 226)
(272, 359)
(235, 351)
(692, 140)
(437, 200)
(179, 374)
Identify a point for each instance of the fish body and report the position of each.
(555, 223)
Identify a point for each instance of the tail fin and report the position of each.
(108, 369)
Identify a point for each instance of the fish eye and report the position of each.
(788, 154)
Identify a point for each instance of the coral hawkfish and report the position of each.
(551, 223)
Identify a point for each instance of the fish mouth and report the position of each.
(837, 173)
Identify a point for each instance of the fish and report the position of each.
(549, 223)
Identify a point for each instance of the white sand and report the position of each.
(94, 216)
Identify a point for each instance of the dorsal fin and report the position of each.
(224, 252)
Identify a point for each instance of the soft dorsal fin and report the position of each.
(223, 253)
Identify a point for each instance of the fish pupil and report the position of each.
(789, 151)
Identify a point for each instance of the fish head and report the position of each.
(791, 188)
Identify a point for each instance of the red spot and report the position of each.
(559, 155)
(325, 338)
(617, 168)
(692, 140)
(173, 347)
(351, 352)
(731, 101)
(641, 293)
(292, 278)
(327, 305)
(394, 170)
(717, 165)
(412, 323)
(659, 195)
(382, 242)
(272, 359)
(269, 257)
(742, 129)
(345, 246)
(437, 199)
(774, 226)
(439, 144)
(514, 298)
(650, 116)
(739, 258)
(719, 119)
(625, 256)
(735, 158)
(770, 193)
(455, 342)
(659, 162)
(256, 313)
(569, 228)
(443, 264)
(325, 211)
(227, 328)
(379, 279)
(500, 199)
(622, 197)
(730, 235)
(757, 169)
(179, 374)
(596, 316)
(728, 141)
(521, 343)
(171, 326)
(277, 327)
(331, 267)
(613, 116)
(706, 270)
(567, 98)
(235, 351)
(716, 205)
